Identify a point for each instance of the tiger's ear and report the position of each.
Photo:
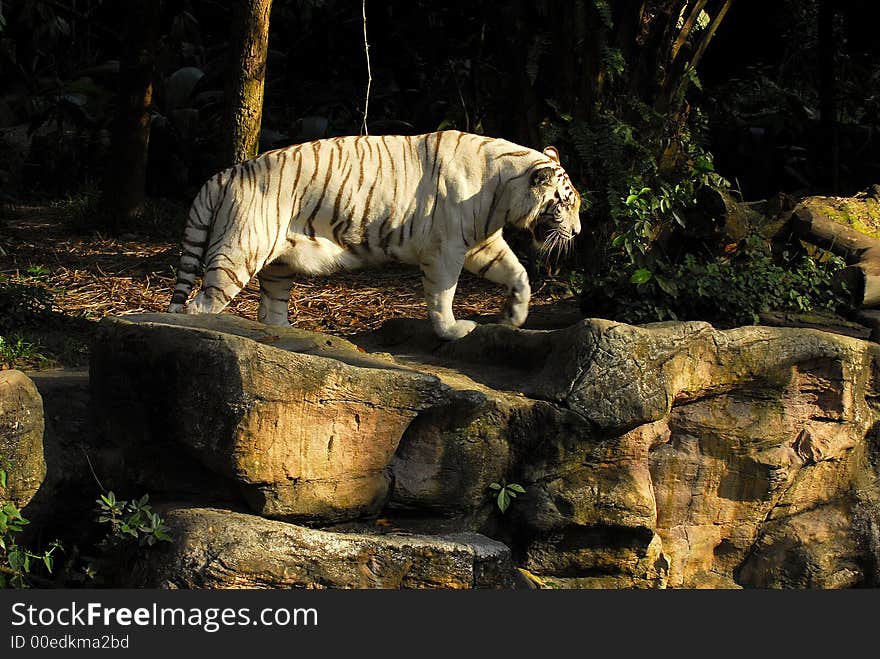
(542, 177)
(552, 153)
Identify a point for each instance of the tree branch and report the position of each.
(687, 27)
(708, 34)
(681, 83)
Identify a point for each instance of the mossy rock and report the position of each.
(861, 213)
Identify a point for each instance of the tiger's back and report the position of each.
(346, 202)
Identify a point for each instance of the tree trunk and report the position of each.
(124, 179)
(243, 97)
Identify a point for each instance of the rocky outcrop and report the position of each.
(303, 423)
(670, 454)
(225, 549)
(21, 437)
(666, 455)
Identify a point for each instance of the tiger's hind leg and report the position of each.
(495, 261)
(276, 281)
(222, 281)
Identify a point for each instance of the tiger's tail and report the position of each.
(195, 239)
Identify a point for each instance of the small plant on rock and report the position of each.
(505, 493)
(133, 529)
(130, 521)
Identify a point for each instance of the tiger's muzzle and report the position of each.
(551, 224)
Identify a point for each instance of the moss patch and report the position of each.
(863, 215)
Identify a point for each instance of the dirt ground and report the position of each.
(92, 276)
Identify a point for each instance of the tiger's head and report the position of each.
(557, 221)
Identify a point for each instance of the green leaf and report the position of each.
(667, 285)
(640, 276)
(2, 479)
(15, 560)
(703, 164)
(517, 488)
(503, 500)
(10, 509)
(494, 486)
(48, 561)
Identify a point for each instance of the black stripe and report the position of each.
(515, 154)
(457, 142)
(229, 272)
(491, 212)
(208, 289)
(486, 267)
(436, 165)
(310, 227)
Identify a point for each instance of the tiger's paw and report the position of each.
(514, 315)
(457, 330)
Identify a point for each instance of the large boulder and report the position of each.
(669, 454)
(304, 424)
(21, 437)
(224, 549)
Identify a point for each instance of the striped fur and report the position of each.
(438, 201)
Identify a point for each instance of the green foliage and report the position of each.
(132, 527)
(22, 304)
(644, 169)
(730, 289)
(18, 564)
(646, 173)
(80, 211)
(131, 522)
(16, 352)
(25, 302)
(650, 212)
(505, 493)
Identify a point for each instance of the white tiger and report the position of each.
(438, 201)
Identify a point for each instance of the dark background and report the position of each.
(453, 64)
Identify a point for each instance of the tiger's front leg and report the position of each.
(495, 261)
(440, 273)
